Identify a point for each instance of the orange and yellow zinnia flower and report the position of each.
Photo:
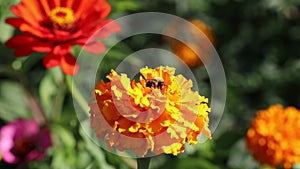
(132, 115)
(54, 26)
(274, 136)
(186, 51)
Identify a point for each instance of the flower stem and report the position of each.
(77, 95)
(58, 102)
(143, 163)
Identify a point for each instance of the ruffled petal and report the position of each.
(161, 120)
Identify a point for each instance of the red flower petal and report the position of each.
(68, 65)
(35, 8)
(38, 31)
(45, 6)
(23, 52)
(26, 14)
(86, 7)
(100, 12)
(56, 3)
(61, 35)
(52, 3)
(68, 3)
(15, 22)
(42, 47)
(94, 47)
(28, 43)
(106, 28)
(28, 18)
(51, 60)
(105, 9)
(62, 49)
(18, 41)
(103, 30)
(75, 4)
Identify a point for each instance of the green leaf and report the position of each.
(95, 150)
(76, 50)
(127, 5)
(50, 86)
(240, 158)
(13, 103)
(64, 154)
(64, 137)
(124, 5)
(6, 30)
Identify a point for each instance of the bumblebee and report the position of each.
(156, 82)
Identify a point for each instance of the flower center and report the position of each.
(62, 18)
(23, 146)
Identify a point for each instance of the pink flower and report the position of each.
(23, 140)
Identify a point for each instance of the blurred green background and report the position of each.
(257, 41)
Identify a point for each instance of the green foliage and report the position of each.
(12, 94)
(52, 91)
(6, 30)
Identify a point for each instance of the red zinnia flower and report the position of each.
(54, 26)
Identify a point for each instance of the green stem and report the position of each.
(59, 100)
(143, 163)
(77, 95)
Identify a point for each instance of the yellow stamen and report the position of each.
(62, 18)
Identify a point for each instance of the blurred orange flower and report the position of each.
(274, 136)
(141, 117)
(186, 51)
(54, 26)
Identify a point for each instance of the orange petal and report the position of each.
(35, 8)
(68, 65)
(22, 12)
(45, 5)
(85, 6)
